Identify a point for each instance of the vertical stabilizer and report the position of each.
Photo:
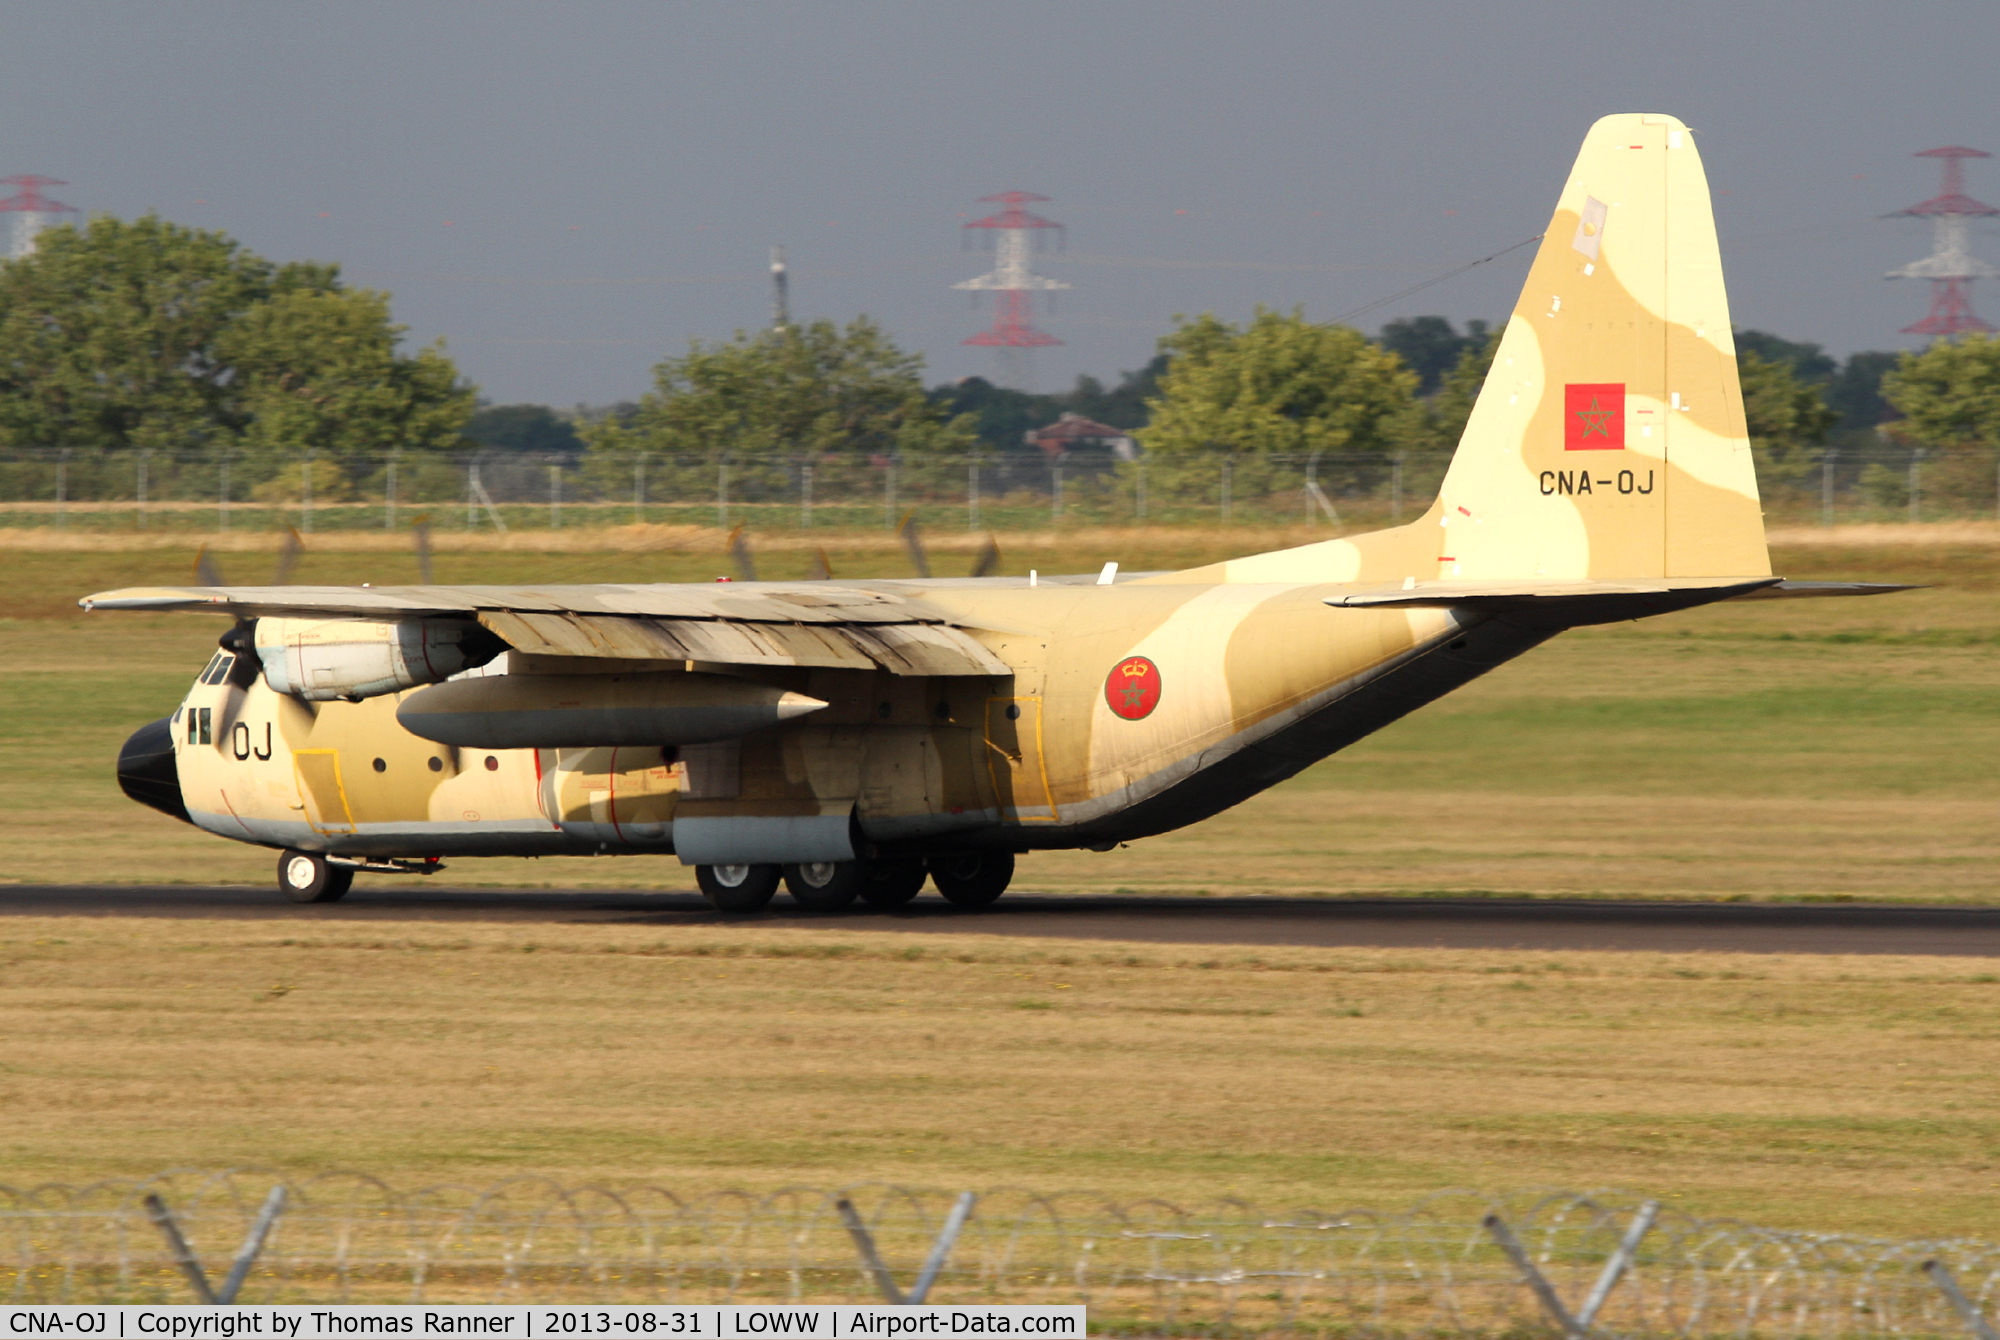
(1608, 440)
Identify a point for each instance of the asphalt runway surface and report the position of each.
(1446, 923)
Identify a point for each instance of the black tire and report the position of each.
(306, 877)
(825, 886)
(972, 878)
(893, 883)
(737, 888)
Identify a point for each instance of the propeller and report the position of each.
(821, 570)
(913, 541)
(988, 561)
(421, 528)
(288, 557)
(205, 571)
(739, 549)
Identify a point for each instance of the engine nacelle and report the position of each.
(327, 659)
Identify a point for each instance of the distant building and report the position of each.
(1073, 430)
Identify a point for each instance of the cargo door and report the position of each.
(1014, 758)
(320, 788)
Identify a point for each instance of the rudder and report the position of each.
(1608, 441)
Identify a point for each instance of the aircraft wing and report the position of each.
(737, 623)
(1571, 603)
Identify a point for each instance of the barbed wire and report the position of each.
(1148, 1266)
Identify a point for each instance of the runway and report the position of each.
(1445, 923)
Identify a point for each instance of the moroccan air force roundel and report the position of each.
(1132, 689)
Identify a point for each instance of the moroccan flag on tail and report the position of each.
(1594, 416)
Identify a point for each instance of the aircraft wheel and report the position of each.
(825, 886)
(972, 878)
(307, 877)
(893, 883)
(737, 888)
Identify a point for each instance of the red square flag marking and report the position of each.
(1594, 416)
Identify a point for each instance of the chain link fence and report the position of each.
(494, 490)
(1143, 1267)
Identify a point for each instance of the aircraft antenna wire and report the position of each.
(1435, 279)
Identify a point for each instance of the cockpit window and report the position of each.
(207, 675)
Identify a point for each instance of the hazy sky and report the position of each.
(568, 192)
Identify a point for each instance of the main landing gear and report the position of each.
(307, 877)
(966, 879)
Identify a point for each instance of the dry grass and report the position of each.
(1808, 1092)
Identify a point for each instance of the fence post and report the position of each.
(1544, 1292)
(222, 492)
(1139, 489)
(1826, 485)
(62, 489)
(306, 496)
(1916, 484)
(1396, 492)
(1970, 1315)
(721, 493)
(389, 493)
(889, 491)
(639, 489)
(961, 1210)
(1620, 1262)
(972, 494)
(555, 497)
(805, 494)
(1228, 478)
(141, 510)
(865, 1244)
(184, 1256)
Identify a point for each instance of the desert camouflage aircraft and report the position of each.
(855, 738)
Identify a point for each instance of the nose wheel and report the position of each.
(307, 877)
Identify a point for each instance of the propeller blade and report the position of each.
(739, 549)
(241, 642)
(421, 528)
(988, 561)
(821, 570)
(914, 542)
(205, 571)
(288, 557)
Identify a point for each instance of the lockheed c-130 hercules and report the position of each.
(856, 738)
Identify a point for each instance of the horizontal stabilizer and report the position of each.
(1570, 604)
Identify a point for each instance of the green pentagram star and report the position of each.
(1135, 695)
(1595, 420)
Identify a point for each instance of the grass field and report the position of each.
(1807, 750)
(1817, 1093)
(1828, 749)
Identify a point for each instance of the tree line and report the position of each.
(147, 336)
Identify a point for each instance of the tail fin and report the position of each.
(1608, 441)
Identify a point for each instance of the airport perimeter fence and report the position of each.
(1437, 1268)
(210, 493)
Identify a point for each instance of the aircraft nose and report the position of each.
(146, 770)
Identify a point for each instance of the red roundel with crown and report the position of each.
(1133, 688)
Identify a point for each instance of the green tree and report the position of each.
(816, 390)
(1430, 347)
(1787, 418)
(148, 335)
(1950, 393)
(1278, 384)
(320, 371)
(534, 429)
(1451, 408)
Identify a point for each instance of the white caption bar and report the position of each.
(735, 1322)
